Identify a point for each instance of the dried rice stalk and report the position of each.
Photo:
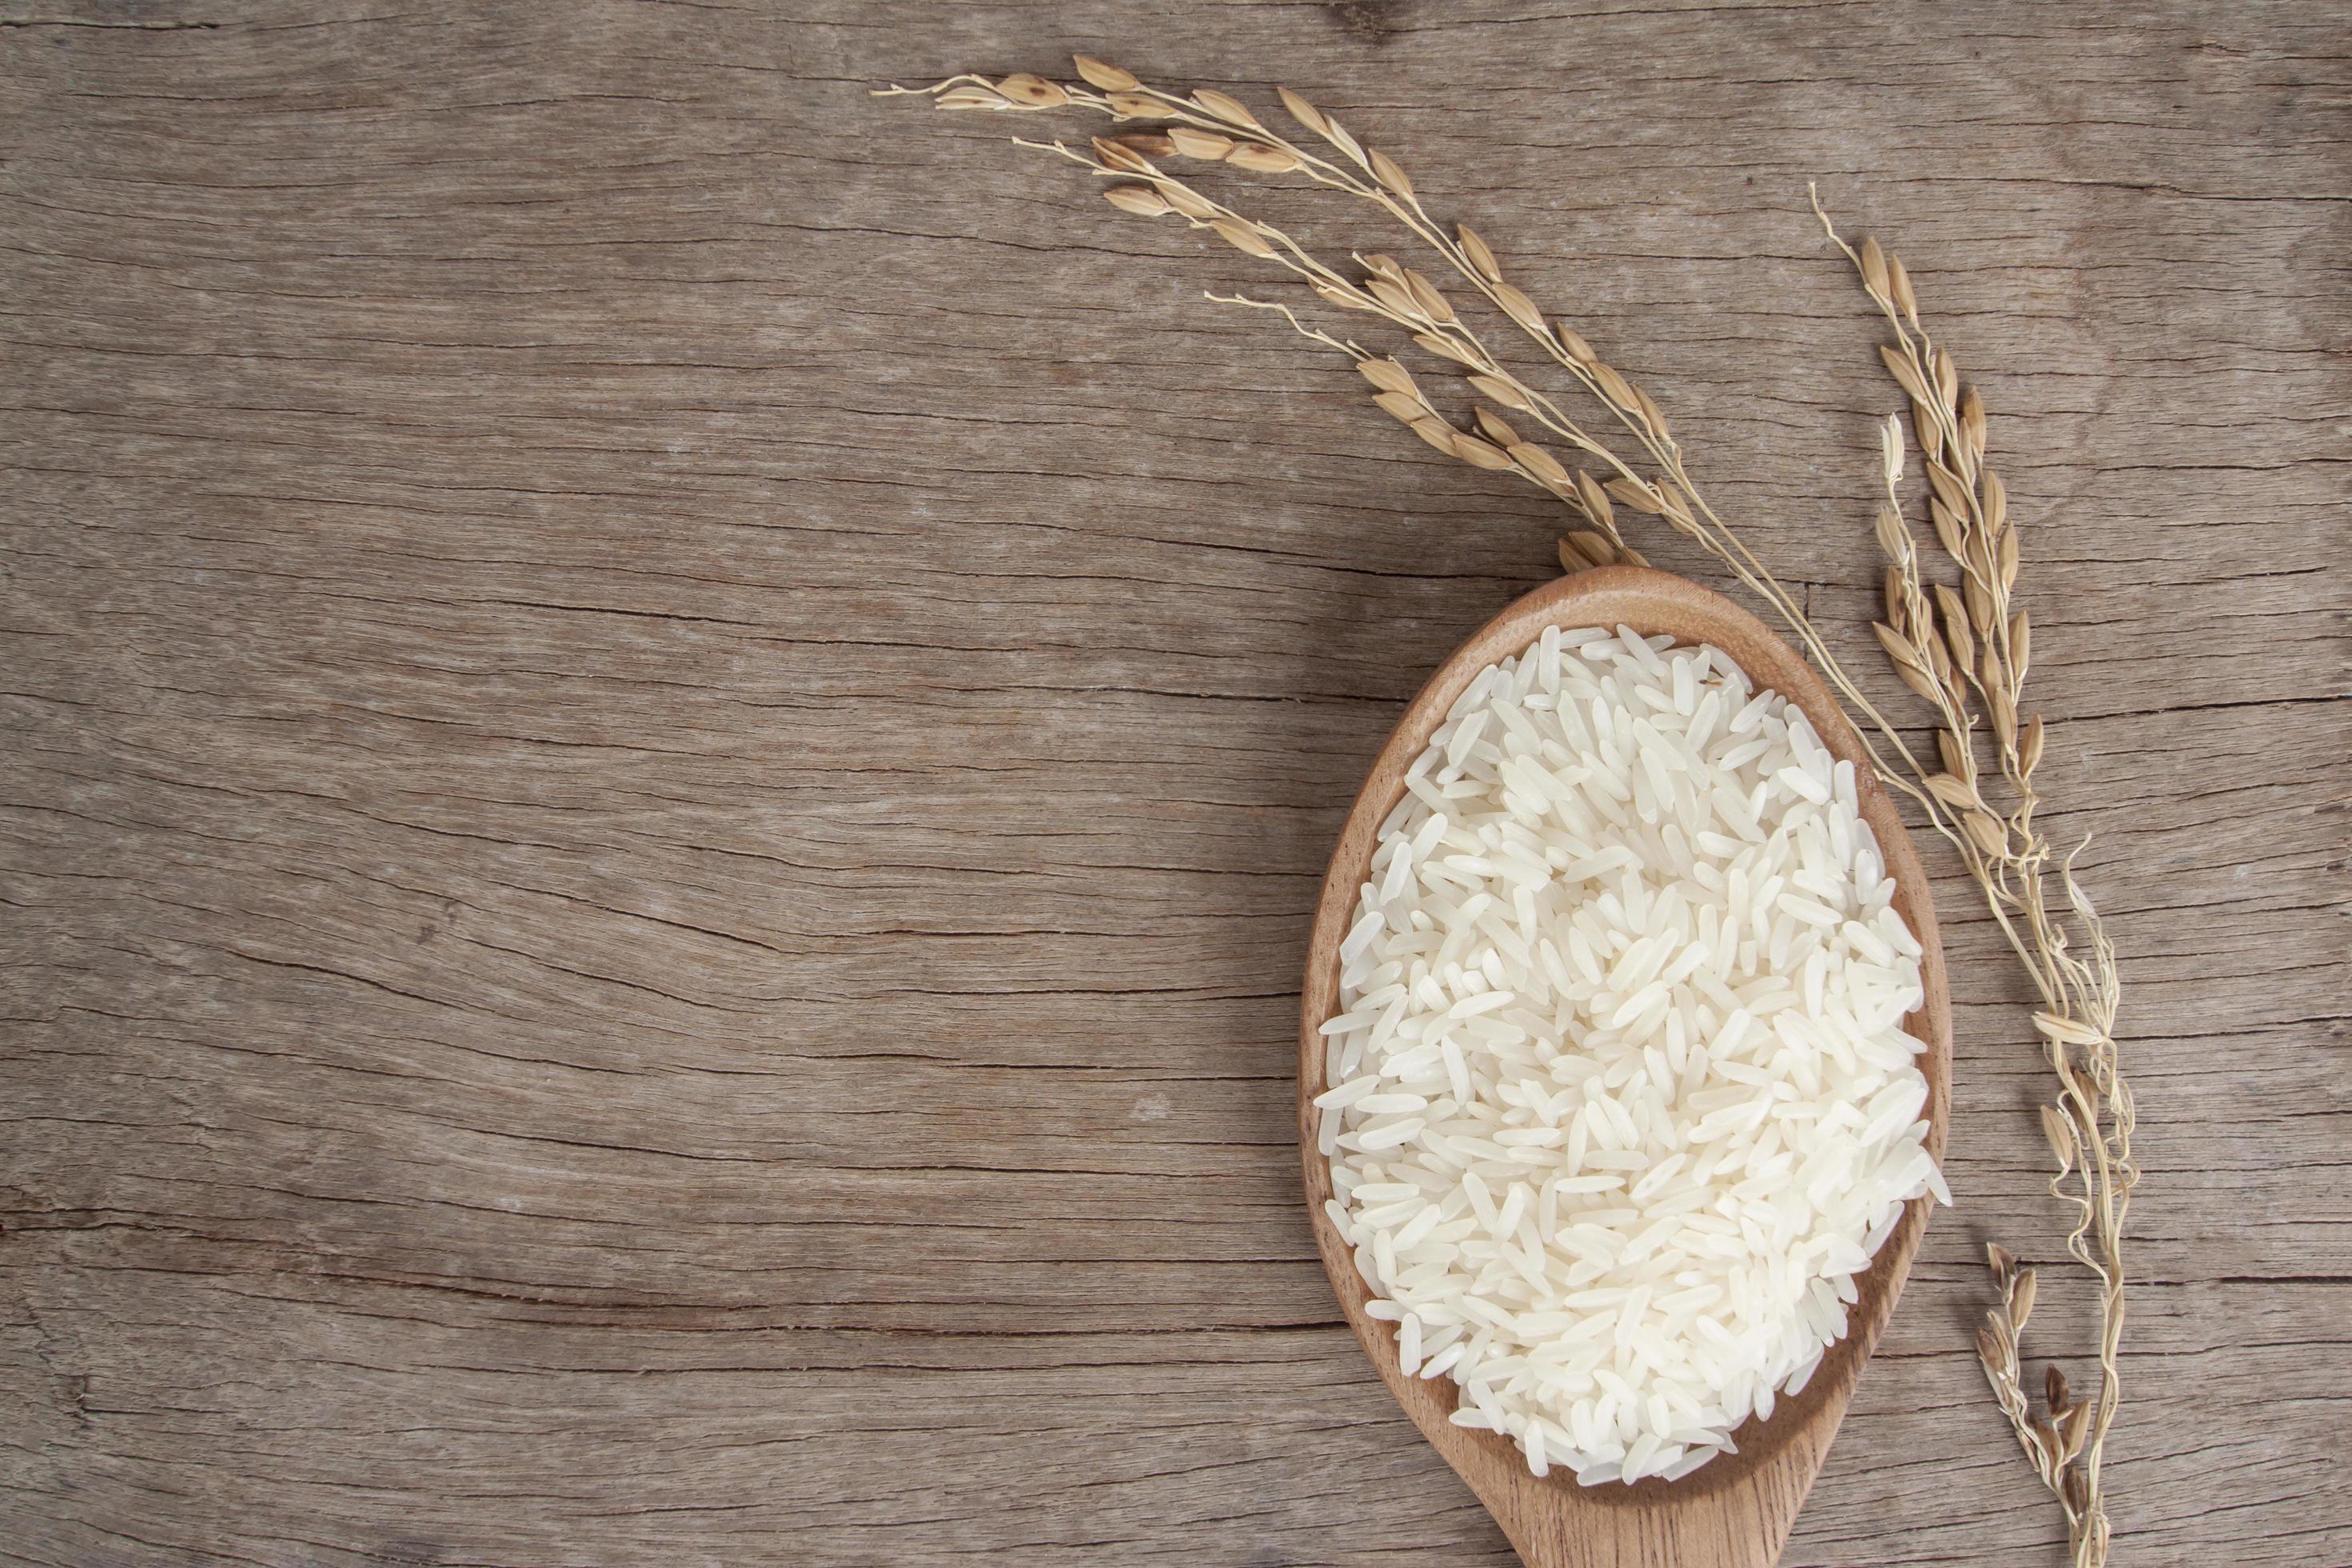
(1964, 649)
(2029, 885)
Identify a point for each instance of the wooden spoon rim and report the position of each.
(1780, 1456)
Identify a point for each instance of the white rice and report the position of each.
(1620, 1100)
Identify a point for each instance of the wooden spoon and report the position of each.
(1734, 1511)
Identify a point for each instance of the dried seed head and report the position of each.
(2004, 710)
(1518, 307)
(1953, 790)
(2008, 560)
(1403, 406)
(1641, 498)
(1034, 90)
(1243, 237)
(1381, 266)
(1304, 112)
(1225, 107)
(2061, 1030)
(1125, 160)
(1899, 285)
(1340, 294)
(1425, 295)
(1497, 430)
(1479, 454)
(1195, 142)
(1140, 200)
(1436, 432)
(2073, 1427)
(2054, 1388)
(1919, 680)
(1577, 348)
(1136, 106)
(2020, 644)
(1954, 755)
(1937, 659)
(1591, 550)
(970, 96)
(1924, 425)
(1972, 422)
(2002, 1261)
(1598, 549)
(1388, 375)
(1992, 1354)
(1108, 78)
(1595, 499)
(2059, 1133)
(1979, 602)
(1948, 530)
(1615, 388)
(1976, 554)
(1262, 159)
(1482, 261)
(1385, 171)
(1502, 391)
(1949, 489)
(1890, 448)
(1337, 135)
(2020, 1298)
(1397, 298)
(1947, 377)
(1189, 202)
(1652, 414)
(1899, 366)
(1445, 348)
(2029, 748)
(1985, 831)
(1874, 269)
(1955, 625)
(1902, 600)
(2043, 1438)
(1540, 464)
(1150, 143)
(1996, 501)
(1893, 539)
(1947, 526)
(1898, 647)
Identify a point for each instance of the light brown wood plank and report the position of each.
(666, 737)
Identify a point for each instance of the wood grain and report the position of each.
(1736, 1511)
(668, 735)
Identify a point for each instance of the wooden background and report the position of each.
(669, 733)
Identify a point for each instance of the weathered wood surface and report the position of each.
(668, 734)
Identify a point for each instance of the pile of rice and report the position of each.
(1620, 1097)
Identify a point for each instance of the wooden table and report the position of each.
(669, 733)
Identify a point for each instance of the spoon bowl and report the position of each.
(1736, 1511)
